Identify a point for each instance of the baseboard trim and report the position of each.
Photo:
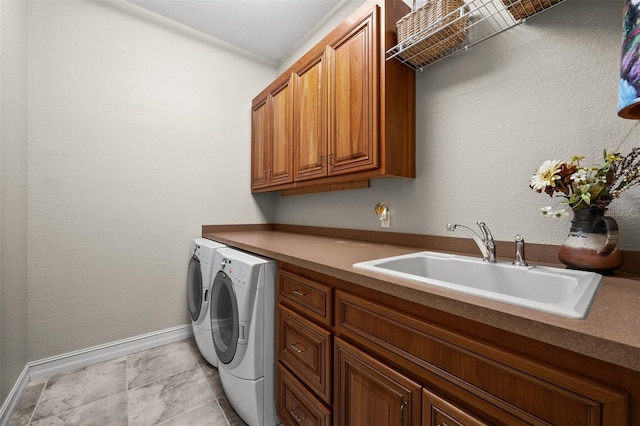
(11, 402)
(40, 369)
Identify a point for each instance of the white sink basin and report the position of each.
(558, 291)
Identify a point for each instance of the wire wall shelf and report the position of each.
(464, 26)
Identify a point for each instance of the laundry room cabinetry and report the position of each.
(398, 362)
(304, 349)
(353, 113)
(272, 137)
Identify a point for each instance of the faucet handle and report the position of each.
(486, 233)
(520, 259)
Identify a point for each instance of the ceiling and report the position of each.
(267, 28)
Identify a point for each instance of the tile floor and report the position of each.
(171, 385)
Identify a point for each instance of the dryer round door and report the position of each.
(224, 317)
(194, 288)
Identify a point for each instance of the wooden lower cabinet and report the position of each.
(371, 393)
(378, 361)
(504, 387)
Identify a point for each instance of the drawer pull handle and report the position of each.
(299, 293)
(402, 407)
(295, 347)
(298, 419)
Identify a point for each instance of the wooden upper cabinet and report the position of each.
(352, 112)
(272, 138)
(352, 99)
(310, 135)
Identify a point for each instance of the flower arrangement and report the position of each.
(587, 186)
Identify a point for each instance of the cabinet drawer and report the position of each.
(308, 297)
(534, 392)
(306, 349)
(297, 405)
(438, 412)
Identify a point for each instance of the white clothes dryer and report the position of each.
(243, 328)
(199, 280)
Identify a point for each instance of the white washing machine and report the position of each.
(199, 281)
(243, 328)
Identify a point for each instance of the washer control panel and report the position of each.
(235, 270)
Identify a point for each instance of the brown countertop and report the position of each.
(610, 332)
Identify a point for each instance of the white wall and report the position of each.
(13, 193)
(487, 119)
(343, 9)
(139, 133)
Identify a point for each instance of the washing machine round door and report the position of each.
(224, 317)
(194, 288)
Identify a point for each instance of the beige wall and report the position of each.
(139, 133)
(13, 193)
(487, 119)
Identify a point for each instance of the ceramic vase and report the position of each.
(591, 243)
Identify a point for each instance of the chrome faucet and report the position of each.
(485, 243)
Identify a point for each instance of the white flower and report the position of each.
(544, 211)
(580, 176)
(560, 213)
(547, 175)
(549, 211)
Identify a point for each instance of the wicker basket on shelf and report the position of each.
(443, 22)
(521, 9)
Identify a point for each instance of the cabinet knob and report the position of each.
(320, 157)
(331, 158)
(299, 293)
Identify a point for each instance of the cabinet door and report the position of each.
(310, 138)
(272, 138)
(372, 393)
(281, 165)
(353, 97)
(260, 143)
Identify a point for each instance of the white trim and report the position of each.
(83, 357)
(40, 369)
(12, 400)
